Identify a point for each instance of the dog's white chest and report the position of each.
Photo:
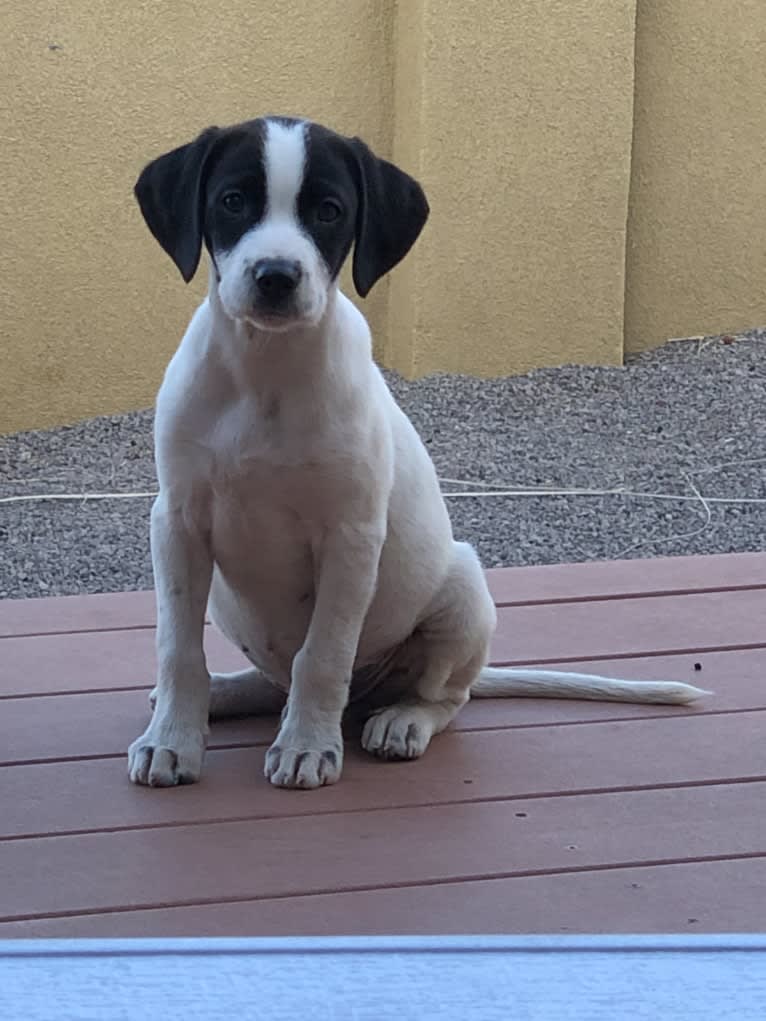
(264, 541)
(274, 493)
(264, 486)
(249, 439)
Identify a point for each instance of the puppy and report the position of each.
(296, 501)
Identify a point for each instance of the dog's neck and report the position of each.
(258, 358)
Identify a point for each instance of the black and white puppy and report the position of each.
(296, 501)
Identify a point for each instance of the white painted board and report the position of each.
(641, 978)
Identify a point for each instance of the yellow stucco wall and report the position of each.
(697, 230)
(520, 116)
(517, 117)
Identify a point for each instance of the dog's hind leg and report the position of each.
(246, 692)
(455, 636)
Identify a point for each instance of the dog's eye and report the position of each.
(233, 202)
(329, 210)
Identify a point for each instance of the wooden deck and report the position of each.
(527, 817)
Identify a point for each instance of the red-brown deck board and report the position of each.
(527, 816)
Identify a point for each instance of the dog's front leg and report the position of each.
(308, 751)
(171, 749)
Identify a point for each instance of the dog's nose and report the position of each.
(276, 279)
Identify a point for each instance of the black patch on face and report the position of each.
(327, 201)
(235, 199)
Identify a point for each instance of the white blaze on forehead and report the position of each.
(284, 159)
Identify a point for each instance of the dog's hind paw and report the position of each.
(397, 732)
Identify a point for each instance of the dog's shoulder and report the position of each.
(186, 397)
(190, 353)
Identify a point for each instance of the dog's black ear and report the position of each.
(392, 212)
(171, 194)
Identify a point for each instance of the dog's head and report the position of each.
(279, 203)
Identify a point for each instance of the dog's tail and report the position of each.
(523, 682)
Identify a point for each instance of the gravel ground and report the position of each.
(680, 425)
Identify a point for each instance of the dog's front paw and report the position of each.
(167, 754)
(295, 762)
